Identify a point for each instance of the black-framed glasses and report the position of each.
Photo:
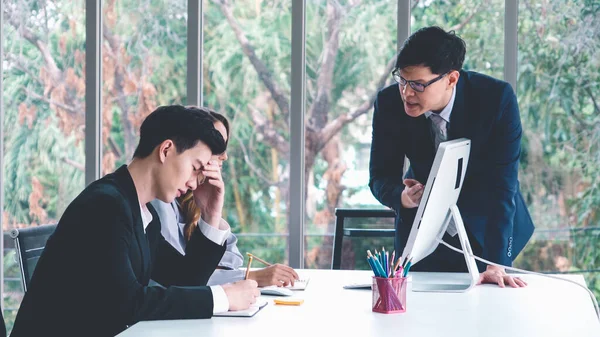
(416, 86)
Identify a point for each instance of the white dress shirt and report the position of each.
(146, 217)
(445, 115)
(447, 111)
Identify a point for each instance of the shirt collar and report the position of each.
(447, 111)
(146, 216)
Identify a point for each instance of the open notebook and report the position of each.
(284, 291)
(300, 284)
(254, 308)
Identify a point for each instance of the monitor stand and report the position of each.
(473, 273)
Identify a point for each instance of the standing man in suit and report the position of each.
(92, 278)
(434, 101)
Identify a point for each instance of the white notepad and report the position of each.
(299, 284)
(251, 311)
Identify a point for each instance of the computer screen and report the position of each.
(438, 205)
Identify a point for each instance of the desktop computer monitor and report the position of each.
(437, 207)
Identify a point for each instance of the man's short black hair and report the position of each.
(435, 48)
(185, 126)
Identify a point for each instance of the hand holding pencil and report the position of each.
(273, 274)
(241, 294)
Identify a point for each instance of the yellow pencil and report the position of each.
(398, 263)
(259, 259)
(248, 268)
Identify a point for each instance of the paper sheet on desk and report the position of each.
(299, 284)
(254, 308)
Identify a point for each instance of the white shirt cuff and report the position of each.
(220, 301)
(216, 235)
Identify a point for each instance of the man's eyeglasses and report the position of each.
(416, 86)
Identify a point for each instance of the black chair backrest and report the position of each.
(30, 243)
(342, 214)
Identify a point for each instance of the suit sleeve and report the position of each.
(387, 160)
(115, 279)
(192, 269)
(505, 150)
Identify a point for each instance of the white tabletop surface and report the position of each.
(546, 307)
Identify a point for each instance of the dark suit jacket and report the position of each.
(92, 278)
(486, 112)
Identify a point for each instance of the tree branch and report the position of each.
(589, 92)
(73, 110)
(36, 41)
(582, 123)
(318, 112)
(469, 18)
(73, 163)
(414, 4)
(254, 168)
(534, 19)
(22, 66)
(333, 127)
(263, 72)
(266, 129)
(45, 27)
(114, 148)
(55, 77)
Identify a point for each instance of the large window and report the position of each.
(350, 49)
(559, 95)
(144, 66)
(44, 101)
(246, 66)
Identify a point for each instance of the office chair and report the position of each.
(29, 244)
(340, 232)
(2, 325)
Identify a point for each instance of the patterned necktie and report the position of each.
(440, 134)
(440, 131)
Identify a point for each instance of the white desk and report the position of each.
(545, 308)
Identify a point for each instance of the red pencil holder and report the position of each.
(389, 295)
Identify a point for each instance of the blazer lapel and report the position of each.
(126, 182)
(419, 146)
(457, 118)
(144, 245)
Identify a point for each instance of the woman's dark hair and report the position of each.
(224, 121)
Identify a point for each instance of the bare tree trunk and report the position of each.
(335, 171)
(274, 170)
(239, 204)
(319, 111)
(326, 217)
(118, 91)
